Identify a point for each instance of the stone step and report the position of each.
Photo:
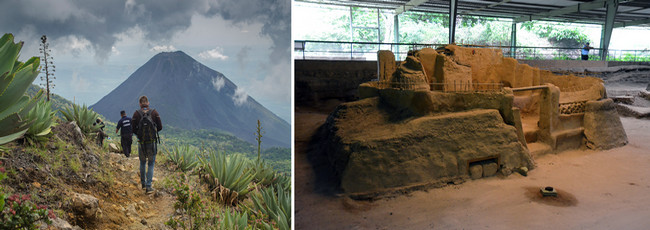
(538, 149)
(531, 135)
(568, 139)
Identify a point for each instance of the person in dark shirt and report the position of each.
(147, 142)
(126, 133)
(100, 134)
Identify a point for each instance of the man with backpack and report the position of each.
(146, 125)
(126, 134)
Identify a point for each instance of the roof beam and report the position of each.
(597, 4)
(408, 6)
(485, 7)
(632, 23)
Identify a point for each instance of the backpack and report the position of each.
(147, 131)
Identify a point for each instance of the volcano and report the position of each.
(190, 95)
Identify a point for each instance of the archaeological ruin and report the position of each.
(452, 114)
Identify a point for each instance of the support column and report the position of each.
(452, 20)
(606, 35)
(513, 41)
(396, 26)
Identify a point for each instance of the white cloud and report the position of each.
(72, 44)
(275, 85)
(158, 49)
(216, 53)
(115, 51)
(79, 83)
(218, 83)
(240, 96)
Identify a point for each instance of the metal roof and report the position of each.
(629, 13)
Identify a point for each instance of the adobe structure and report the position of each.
(447, 115)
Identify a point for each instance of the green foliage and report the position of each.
(84, 117)
(183, 156)
(558, 35)
(43, 118)
(18, 212)
(15, 78)
(229, 176)
(278, 157)
(58, 102)
(275, 203)
(194, 213)
(234, 220)
(263, 173)
(283, 181)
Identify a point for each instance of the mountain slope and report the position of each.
(189, 95)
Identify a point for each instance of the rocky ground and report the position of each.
(597, 190)
(87, 186)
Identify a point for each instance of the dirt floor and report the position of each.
(597, 190)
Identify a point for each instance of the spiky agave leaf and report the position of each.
(263, 172)
(230, 177)
(84, 117)
(15, 78)
(234, 220)
(43, 118)
(183, 156)
(275, 203)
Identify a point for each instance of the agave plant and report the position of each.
(283, 181)
(263, 172)
(84, 117)
(184, 156)
(229, 177)
(275, 203)
(43, 118)
(234, 220)
(15, 78)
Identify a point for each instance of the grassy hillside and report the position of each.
(279, 158)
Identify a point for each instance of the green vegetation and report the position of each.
(15, 78)
(279, 158)
(274, 203)
(19, 212)
(229, 177)
(249, 194)
(184, 156)
(234, 220)
(43, 118)
(84, 117)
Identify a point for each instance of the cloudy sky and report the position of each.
(97, 44)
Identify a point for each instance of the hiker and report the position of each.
(146, 125)
(126, 134)
(585, 51)
(100, 133)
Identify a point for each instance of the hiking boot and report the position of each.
(149, 191)
(144, 187)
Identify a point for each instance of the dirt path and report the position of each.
(601, 190)
(127, 206)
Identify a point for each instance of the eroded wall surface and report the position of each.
(417, 126)
(375, 150)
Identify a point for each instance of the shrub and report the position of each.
(229, 177)
(84, 117)
(18, 212)
(43, 120)
(183, 156)
(275, 203)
